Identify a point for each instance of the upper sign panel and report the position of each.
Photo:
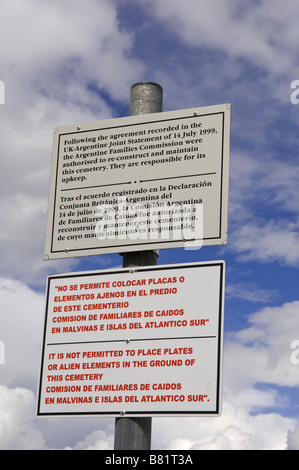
(140, 183)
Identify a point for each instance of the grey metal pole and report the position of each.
(145, 98)
(135, 433)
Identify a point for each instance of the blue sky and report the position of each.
(63, 63)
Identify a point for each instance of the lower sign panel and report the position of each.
(156, 352)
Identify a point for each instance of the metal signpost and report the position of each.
(133, 186)
(136, 432)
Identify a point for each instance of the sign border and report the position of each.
(217, 411)
(220, 239)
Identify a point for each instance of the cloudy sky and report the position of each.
(64, 62)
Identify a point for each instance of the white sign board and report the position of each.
(139, 342)
(140, 183)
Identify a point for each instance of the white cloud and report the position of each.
(258, 32)
(21, 331)
(21, 327)
(272, 241)
(51, 80)
(18, 430)
(293, 439)
(236, 429)
(261, 432)
(97, 440)
(264, 217)
(263, 350)
(250, 292)
(59, 41)
(260, 353)
(257, 179)
(58, 56)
